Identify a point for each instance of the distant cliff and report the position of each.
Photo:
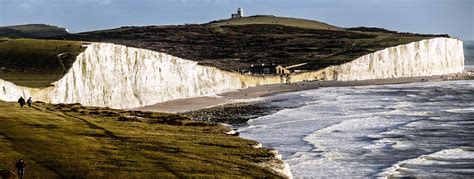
(435, 56)
(123, 77)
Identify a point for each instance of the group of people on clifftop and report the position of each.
(22, 102)
(20, 165)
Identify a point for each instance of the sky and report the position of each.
(454, 17)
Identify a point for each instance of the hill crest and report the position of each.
(32, 31)
(275, 20)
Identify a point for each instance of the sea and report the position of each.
(421, 129)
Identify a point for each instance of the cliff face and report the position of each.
(122, 77)
(424, 58)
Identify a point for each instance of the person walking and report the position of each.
(21, 101)
(20, 167)
(29, 102)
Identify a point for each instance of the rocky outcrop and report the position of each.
(109, 75)
(276, 164)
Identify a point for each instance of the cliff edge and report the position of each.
(116, 76)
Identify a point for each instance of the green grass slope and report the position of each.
(36, 63)
(71, 141)
(274, 20)
(32, 31)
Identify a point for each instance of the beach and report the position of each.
(255, 94)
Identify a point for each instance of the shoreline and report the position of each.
(237, 107)
(258, 93)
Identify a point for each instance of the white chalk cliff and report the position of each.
(425, 58)
(117, 76)
(429, 57)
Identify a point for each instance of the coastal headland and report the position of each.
(103, 93)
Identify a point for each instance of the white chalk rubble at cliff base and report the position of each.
(116, 76)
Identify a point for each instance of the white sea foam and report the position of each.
(356, 131)
(443, 157)
(462, 110)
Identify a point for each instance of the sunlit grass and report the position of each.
(59, 141)
(287, 21)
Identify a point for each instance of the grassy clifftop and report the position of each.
(85, 142)
(36, 63)
(32, 31)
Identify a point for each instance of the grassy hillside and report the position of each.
(273, 20)
(36, 63)
(237, 43)
(83, 142)
(32, 31)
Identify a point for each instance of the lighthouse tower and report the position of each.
(239, 14)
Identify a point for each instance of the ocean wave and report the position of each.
(347, 132)
(429, 165)
(461, 110)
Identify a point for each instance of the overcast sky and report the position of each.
(455, 17)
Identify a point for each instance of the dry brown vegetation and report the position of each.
(238, 43)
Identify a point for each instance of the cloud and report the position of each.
(102, 2)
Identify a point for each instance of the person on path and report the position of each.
(20, 167)
(21, 101)
(29, 102)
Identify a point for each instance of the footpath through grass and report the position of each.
(84, 142)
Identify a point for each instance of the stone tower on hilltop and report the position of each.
(239, 14)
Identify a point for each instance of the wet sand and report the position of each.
(258, 92)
